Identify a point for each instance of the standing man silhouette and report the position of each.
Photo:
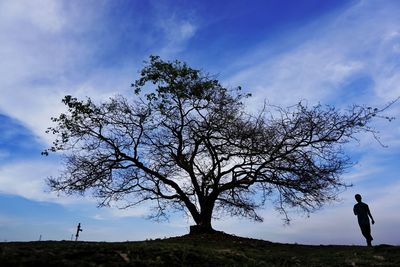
(78, 229)
(362, 211)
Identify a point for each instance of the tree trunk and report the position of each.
(201, 229)
(203, 224)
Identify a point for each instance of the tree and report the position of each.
(189, 144)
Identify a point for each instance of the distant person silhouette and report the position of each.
(362, 211)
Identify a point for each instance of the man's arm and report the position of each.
(370, 215)
(355, 210)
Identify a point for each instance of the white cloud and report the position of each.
(28, 180)
(44, 46)
(42, 59)
(319, 66)
(388, 86)
(177, 32)
(177, 29)
(33, 54)
(42, 14)
(186, 30)
(114, 212)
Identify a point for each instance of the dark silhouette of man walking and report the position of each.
(362, 211)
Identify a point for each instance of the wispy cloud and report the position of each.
(49, 49)
(115, 212)
(361, 42)
(34, 57)
(177, 29)
(24, 180)
(42, 14)
(27, 179)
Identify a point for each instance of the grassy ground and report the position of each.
(206, 250)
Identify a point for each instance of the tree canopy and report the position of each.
(186, 142)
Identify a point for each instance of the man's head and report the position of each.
(358, 197)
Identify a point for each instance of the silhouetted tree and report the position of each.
(189, 144)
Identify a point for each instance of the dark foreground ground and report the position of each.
(208, 250)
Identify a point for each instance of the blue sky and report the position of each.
(329, 52)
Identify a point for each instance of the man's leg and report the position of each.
(366, 231)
